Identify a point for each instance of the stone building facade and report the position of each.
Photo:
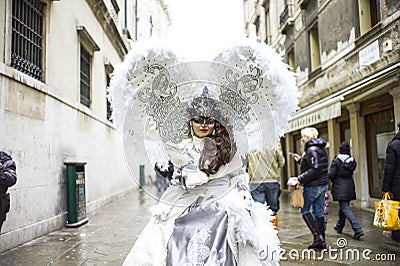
(56, 58)
(346, 58)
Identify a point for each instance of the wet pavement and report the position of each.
(111, 231)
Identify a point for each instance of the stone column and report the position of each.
(290, 163)
(395, 92)
(2, 102)
(359, 152)
(333, 138)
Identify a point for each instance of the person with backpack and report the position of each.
(343, 188)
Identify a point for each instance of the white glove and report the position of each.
(194, 177)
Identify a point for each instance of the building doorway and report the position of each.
(379, 128)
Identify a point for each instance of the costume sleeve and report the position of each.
(8, 175)
(389, 168)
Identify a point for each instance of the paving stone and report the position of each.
(112, 230)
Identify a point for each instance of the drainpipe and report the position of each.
(136, 21)
(126, 14)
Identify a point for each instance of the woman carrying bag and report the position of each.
(314, 179)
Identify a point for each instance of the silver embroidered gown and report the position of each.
(212, 222)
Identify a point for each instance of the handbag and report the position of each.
(386, 216)
(297, 200)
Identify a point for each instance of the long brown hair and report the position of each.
(219, 149)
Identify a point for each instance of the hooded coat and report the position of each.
(314, 164)
(8, 178)
(391, 178)
(341, 176)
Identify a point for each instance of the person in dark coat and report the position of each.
(343, 188)
(163, 176)
(8, 178)
(314, 178)
(391, 177)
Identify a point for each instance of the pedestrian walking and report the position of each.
(264, 170)
(314, 178)
(8, 178)
(391, 177)
(343, 188)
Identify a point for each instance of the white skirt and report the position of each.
(183, 231)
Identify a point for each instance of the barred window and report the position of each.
(27, 37)
(85, 77)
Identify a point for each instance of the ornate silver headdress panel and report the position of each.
(154, 94)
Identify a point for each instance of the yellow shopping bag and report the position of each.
(386, 216)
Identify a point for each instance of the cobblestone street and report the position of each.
(112, 230)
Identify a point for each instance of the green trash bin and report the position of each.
(76, 198)
(142, 182)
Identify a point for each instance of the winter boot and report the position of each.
(319, 242)
(321, 226)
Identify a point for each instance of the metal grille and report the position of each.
(85, 77)
(27, 37)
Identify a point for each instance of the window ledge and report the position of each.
(86, 39)
(366, 37)
(315, 73)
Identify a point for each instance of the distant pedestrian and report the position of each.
(314, 178)
(391, 177)
(8, 178)
(343, 188)
(163, 176)
(264, 171)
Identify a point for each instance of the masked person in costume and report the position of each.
(207, 217)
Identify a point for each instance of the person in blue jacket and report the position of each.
(314, 178)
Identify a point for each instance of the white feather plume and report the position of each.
(283, 96)
(128, 76)
(251, 223)
(279, 93)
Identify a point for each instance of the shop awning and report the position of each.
(330, 107)
(315, 113)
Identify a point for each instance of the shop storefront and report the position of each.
(379, 130)
(368, 124)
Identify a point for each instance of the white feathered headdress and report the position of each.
(150, 93)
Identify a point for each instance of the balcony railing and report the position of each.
(286, 18)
